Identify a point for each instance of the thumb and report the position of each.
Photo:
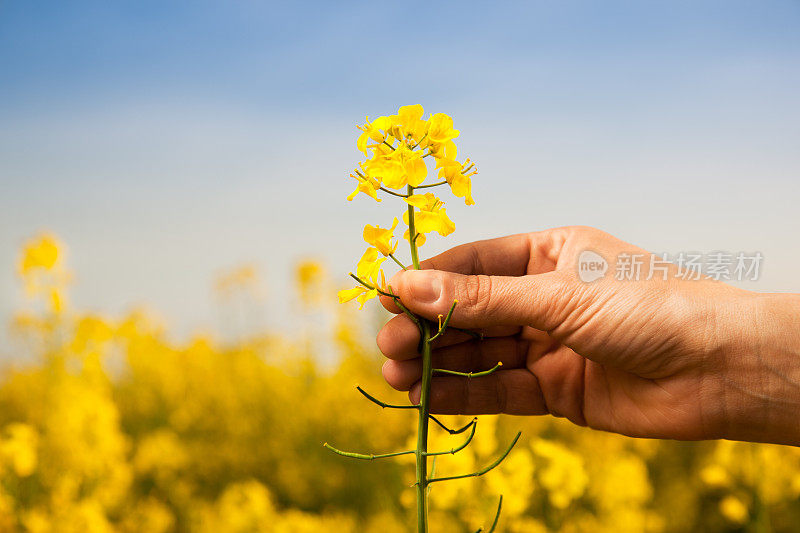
(539, 300)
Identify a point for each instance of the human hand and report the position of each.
(674, 358)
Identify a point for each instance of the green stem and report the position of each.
(401, 265)
(392, 192)
(368, 457)
(412, 232)
(452, 431)
(473, 334)
(483, 470)
(403, 308)
(424, 401)
(496, 517)
(432, 184)
(444, 324)
(384, 405)
(422, 431)
(469, 375)
(457, 449)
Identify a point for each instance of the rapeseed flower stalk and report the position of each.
(396, 148)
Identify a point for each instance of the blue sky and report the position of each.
(166, 140)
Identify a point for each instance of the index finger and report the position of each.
(513, 255)
(502, 256)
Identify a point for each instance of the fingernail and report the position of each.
(425, 287)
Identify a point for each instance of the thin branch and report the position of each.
(431, 185)
(496, 517)
(384, 404)
(403, 308)
(371, 287)
(433, 471)
(398, 262)
(420, 141)
(484, 470)
(474, 334)
(443, 325)
(389, 145)
(452, 431)
(367, 457)
(469, 375)
(457, 449)
(384, 189)
(361, 281)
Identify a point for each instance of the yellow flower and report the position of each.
(408, 123)
(381, 238)
(346, 295)
(366, 184)
(734, 509)
(18, 448)
(42, 252)
(369, 266)
(563, 474)
(413, 165)
(372, 130)
(440, 128)
(361, 294)
(386, 169)
(431, 216)
(445, 153)
(399, 167)
(715, 475)
(458, 176)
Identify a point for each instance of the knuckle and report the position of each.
(478, 293)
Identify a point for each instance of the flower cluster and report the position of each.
(396, 148)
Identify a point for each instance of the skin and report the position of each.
(676, 358)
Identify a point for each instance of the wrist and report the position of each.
(760, 387)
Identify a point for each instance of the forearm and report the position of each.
(760, 384)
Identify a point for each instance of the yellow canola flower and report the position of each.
(369, 270)
(18, 447)
(408, 123)
(413, 165)
(369, 266)
(381, 238)
(398, 168)
(367, 185)
(361, 294)
(734, 509)
(432, 216)
(444, 153)
(440, 128)
(372, 130)
(563, 474)
(42, 252)
(458, 176)
(386, 169)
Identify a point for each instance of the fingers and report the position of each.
(540, 301)
(514, 255)
(514, 392)
(471, 356)
(399, 337)
(504, 256)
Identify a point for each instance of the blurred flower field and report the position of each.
(108, 425)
